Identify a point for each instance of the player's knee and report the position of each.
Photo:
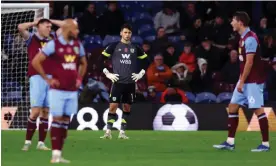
(259, 111)
(126, 107)
(233, 108)
(44, 113)
(113, 107)
(35, 113)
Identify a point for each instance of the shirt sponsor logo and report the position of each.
(69, 58)
(125, 59)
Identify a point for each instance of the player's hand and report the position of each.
(54, 83)
(138, 76)
(78, 82)
(240, 86)
(36, 21)
(113, 77)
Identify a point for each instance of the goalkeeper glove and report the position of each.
(113, 77)
(138, 76)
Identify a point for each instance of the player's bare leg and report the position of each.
(43, 129)
(263, 121)
(126, 112)
(233, 121)
(110, 120)
(31, 127)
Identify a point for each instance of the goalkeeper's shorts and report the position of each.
(39, 91)
(122, 93)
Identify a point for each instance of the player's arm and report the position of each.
(58, 23)
(23, 28)
(83, 62)
(47, 50)
(141, 55)
(250, 50)
(108, 51)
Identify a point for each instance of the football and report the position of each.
(175, 117)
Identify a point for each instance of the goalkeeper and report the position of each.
(124, 56)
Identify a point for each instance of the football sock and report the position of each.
(110, 120)
(43, 128)
(56, 135)
(233, 121)
(124, 120)
(31, 127)
(64, 129)
(264, 128)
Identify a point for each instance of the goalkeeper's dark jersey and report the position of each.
(124, 59)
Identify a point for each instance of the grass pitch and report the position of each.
(145, 148)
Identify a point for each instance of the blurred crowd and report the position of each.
(191, 47)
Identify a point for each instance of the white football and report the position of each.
(175, 117)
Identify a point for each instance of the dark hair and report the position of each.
(243, 17)
(126, 26)
(159, 28)
(43, 20)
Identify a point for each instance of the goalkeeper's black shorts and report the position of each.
(122, 93)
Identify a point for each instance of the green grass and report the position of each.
(145, 148)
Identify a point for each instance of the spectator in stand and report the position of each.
(268, 47)
(153, 96)
(221, 31)
(262, 29)
(271, 82)
(173, 94)
(65, 13)
(195, 32)
(202, 78)
(181, 76)
(88, 22)
(170, 55)
(188, 15)
(158, 74)
(188, 57)
(231, 71)
(168, 18)
(111, 20)
(161, 41)
(211, 54)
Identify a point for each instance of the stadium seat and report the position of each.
(137, 40)
(220, 87)
(141, 16)
(110, 39)
(217, 76)
(224, 97)
(206, 97)
(150, 38)
(174, 39)
(145, 28)
(191, 97)
(11, 91)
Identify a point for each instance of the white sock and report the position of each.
(265, 144)
(108, 131)
(230, 140)
(56, 153)
(28, 142)
(122, 132)
(40, 142)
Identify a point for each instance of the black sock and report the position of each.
(110, 120)
(124, 120)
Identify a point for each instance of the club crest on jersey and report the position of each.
(68, 49)
(113, 98)
(126, 50)
(132, 50)
(69, 58)
(76, 50)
